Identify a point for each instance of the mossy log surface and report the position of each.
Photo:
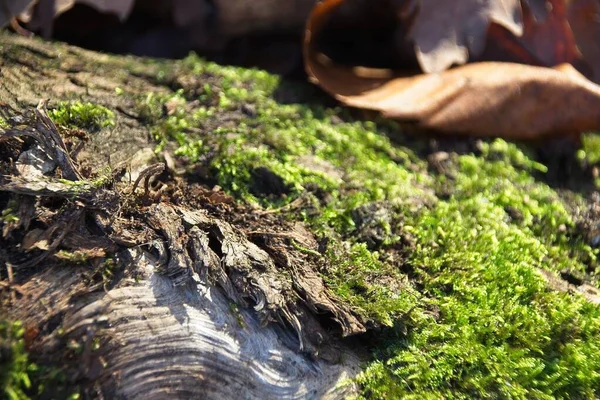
(167, 322)
(193, 230)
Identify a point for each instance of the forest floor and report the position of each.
(462, 268)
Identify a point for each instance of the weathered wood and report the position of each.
(136, 296)
(159, 339)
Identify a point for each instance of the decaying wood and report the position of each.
(172, 329)
(184, 341)
(46, 135)
(139, 296)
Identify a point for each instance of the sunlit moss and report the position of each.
(15, 368)
(474, 318)
(376, 290)
(500, 333)
(82, 115)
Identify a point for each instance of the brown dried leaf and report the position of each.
(446, 32)
(121, 8)
(551, 40)
(11, 8)
(484, 99)
(547, 41)
(584, 19)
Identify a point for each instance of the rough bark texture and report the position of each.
(199, 299)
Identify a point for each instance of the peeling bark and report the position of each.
(140, 295)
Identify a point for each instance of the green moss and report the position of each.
(590, 151)
(22, 379)
(3, 123)
(72, 257)
(304, 147)
(474, 319)
(499, 332)
(235, 84)
(15, 368)
(82, 115)
(503, 175)
(169, 121)
(375, 289)
(8, 215)
(107, 272)
(103, 178)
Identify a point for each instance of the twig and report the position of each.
(146, 174)
(11, 287)
(292, 205)
(60, 149)
(11, 280)
(19, 30)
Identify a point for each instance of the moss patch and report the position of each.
(497, 330)
(449, 268)
(15, 368)
(375, 289)
(454, 276)
(87, 116)
(590, 151)
(3, 123)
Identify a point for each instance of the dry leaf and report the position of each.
(546, 41)
(550, 40)
(121, 8)
(40, 13)
(11, 8)
(446, 32)
(484, 99)
(584, 19)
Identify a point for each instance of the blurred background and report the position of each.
(258, 33)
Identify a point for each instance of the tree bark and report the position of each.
(166, 299)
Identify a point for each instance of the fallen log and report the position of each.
(132, 293)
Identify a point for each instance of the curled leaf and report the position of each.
(41, 12)
(445, 32)
(584, 20)
(11, 8)
(484, 98)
